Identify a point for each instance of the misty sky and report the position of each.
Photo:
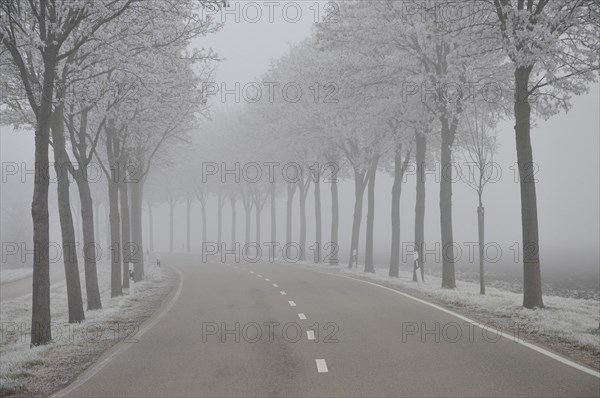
(566, 150)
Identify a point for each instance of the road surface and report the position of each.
(368, 341)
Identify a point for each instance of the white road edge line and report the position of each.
(310, 334)
(292, 304)
(98, 366)
(301, 316)
(321, 366)
(479, 325)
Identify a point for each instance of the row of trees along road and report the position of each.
(115, 82)
(387, 85)
(384, 86)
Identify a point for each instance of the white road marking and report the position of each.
(310, 334)
(283, 293)
(260, 276)
(251, 272)
(301, 316)
(321, 366)
(120, 347)
(475, 323)
(292, 304)
(275, 285)
(267, 279)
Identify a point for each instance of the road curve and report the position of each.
(365, 341)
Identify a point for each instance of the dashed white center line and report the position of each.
(301, 316)
(251, 272)
(275, 285)
(260, 276)
(310, 334)
(267, 279)
(283, 293)
(292, 304)
(321, 366)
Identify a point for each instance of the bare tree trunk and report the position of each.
(532, 278)
(335, 221)
(258, 211)
(125, 221)
(107, 223)
(396, 192)
(318, 223)
(96, 221)
(369, 266)
(61, 165)
(116, 287)
(291, 190)
(480, 230)
(303, 188)
(273, 213)
(359, 190)
(448, 279)
(137, 252)
(89, 242)
(40, 309)
(421, 144)
(77, 223)
(248, 210)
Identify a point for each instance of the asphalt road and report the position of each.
(368, 341)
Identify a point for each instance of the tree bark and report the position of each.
(257, 214)
(335, 221)
(69, 252)
(369, 266)
(116, 287)
(137, 253)
(480, 230)
(532, 279)
(396, 192)
(303, 192)
(421, 150)
(89, 242)
(40, 309)
(448, 279)
(126, 244)
(248, 210)
(359, 190)
(291, 190)
(273, 213)
(318, 223)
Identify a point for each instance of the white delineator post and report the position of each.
(417, 268)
